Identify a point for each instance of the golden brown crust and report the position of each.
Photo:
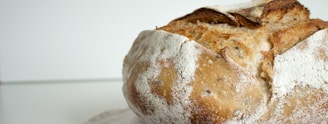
(215, 96)
(234, 71)
(282, 35)
(207, 16)
(285, 38)
(214, 17)
(276, 10)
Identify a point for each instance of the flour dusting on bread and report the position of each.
(260, 62)
(153, 47)
(301, 67)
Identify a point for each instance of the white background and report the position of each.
(84, 39)
(61, 60)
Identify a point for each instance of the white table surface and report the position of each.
(58, 102)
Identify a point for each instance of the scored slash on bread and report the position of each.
(283, 22)
(258, 62)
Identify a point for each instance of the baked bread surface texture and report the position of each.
(260, 62)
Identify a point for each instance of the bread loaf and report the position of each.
(264, 61)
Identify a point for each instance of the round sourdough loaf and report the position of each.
(264, 61)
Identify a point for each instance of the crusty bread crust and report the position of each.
(282, 24)
(233, 77)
